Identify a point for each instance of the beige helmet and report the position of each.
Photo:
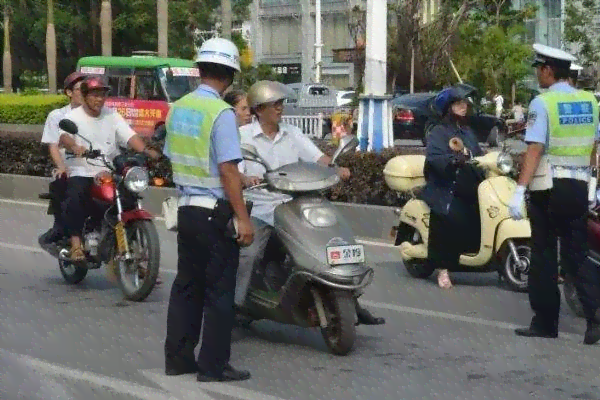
(266, 92)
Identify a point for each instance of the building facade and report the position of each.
(547, 26)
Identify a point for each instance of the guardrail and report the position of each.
(311, 125)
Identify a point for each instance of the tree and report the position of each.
(7, 58)
(580, 30)
(51, 49)
(249, 73)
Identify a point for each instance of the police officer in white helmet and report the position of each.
(562, 137)
(203, 145)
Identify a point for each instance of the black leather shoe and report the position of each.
(181, 368)
(592, 333)
(534, 332)
(366, 318)
(229, 374)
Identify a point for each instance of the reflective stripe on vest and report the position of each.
(572, 126)
(189, 126)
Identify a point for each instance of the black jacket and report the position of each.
(440, 163)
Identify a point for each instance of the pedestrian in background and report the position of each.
(203, 144)
(237, 99)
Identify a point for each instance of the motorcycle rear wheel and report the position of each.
(129, 272)
(340, 334)
(71, 273)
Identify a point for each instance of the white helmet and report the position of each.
(219, 51)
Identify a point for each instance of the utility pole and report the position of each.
(106, 27)
(162, 14)
(307, 41)
(226, 19)
(318, 44)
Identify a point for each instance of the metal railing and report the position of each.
(311, 125)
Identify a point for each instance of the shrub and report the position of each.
(28, 109)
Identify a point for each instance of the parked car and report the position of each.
(143, 86)
(344, 97)
(312, 99)
(415, 114)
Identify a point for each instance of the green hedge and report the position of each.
(28, 109)
(27, 156)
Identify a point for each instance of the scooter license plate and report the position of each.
(351, 254)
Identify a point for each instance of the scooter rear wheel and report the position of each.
(516, 276)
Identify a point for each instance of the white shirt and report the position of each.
(499, 100)
(105, 133)
(519, 113)
(290, 145)
(51, 130)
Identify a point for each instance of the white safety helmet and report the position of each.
(219, 51)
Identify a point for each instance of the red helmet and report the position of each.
(93, 82)
(72, 79)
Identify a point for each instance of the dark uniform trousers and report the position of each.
(203, 292)
(560, 212)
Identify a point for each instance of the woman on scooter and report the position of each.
(451, 185)
(238, 100)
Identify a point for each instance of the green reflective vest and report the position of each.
(572, 125)
(189, 126)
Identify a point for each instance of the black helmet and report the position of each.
(446, 97)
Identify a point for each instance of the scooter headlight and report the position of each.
(136, 179)
(505, 163)
(320, 217)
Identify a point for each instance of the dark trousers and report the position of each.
(76, 207)
(203, 293)
(58, 191)
(454, 233)
(560, 212)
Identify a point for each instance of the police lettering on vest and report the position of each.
(190, 123)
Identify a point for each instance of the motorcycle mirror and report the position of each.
(249, 152)
(68, 126)
(347, 145)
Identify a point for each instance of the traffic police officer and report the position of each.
(562, 138)
(203, 145)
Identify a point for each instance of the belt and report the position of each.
(197, 201)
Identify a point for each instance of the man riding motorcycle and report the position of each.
(51, 136)
(103, 128)
(279, 144)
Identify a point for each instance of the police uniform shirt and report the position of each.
(224, 146)
(537, 119)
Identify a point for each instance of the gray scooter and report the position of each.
(313, 269)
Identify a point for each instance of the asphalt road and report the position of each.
(84, 342)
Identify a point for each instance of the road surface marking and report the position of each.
(121, 386)
(186, 387)
(31, 249)
(453, 317)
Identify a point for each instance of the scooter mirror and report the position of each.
(68, 126)
(347, 145)
(249, 152)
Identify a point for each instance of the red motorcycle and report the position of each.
(569, 289)
(119, 233)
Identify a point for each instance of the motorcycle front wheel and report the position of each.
(137, 276)
(340, 333)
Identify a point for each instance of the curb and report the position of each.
(369, 222)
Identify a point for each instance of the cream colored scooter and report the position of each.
(504, 242)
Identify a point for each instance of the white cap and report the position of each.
(576, 67)
(219, 51)
(552, 56)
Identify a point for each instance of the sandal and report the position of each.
(77, 254)
(444, 279)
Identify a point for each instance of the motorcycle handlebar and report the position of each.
(86, 154)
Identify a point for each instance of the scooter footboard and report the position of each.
(512, 229)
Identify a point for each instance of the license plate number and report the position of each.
(352, 254)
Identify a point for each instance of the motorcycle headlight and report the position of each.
(505, 163)
(320, 217)
(136, 179)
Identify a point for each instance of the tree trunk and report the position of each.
(226, 19)
(51, 49)
(106, 27)
(7, 60)
(162, 14)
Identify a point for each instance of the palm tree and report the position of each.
(106, 27)
(7, 59)
(162, 15)
(51, 49)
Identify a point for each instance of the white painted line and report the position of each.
(375, 243)
(31, 249)
(186, 387)
(452, 317)
(121, 386)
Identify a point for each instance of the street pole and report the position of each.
(162, 15)
(318, 44)
(226, 19)
(412, 66)
(307, 41)
(562, 23)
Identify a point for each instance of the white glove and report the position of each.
(516, 207)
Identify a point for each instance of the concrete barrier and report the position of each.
(368, 222)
